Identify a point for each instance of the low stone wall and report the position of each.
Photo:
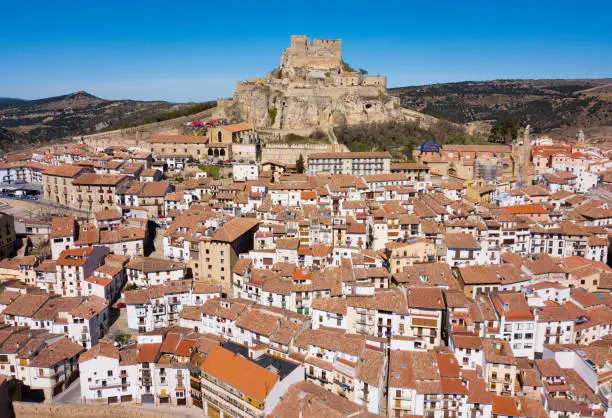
(136, 137)
(46, 410)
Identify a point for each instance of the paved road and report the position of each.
(71, 395)
(158, 243)
(119, 326)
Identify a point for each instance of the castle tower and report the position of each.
(580, 136)
(525, 155)
(521, 154)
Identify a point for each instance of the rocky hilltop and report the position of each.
(312, 88)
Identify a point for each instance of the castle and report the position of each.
(320, 62)
(313, 88)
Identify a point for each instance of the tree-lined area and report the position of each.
(402, 138)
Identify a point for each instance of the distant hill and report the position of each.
(11, 141)
(80, 113)
(549, 106)
(9, 101)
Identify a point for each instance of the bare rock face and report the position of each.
(312, 88)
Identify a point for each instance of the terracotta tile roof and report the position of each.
(426, 298)
(236, 371)
(148, 353)
(26, 305)
(554, 314)
(241, 266)
(448, 365)
(498, 351)
(91, 179)
(334, 340)
(259, 321)
(102, 349)
(549, 367)
(237, 127)
(90, 308)
(392, 300)
(74, 257)
(307, 400)
(335, 305)
(58, 351)
(492, 274)
(467, 341)
(64, 171)
(513, 306)
(453, 386)
(586, 299)
(234, 228)
(505, 405)
(7, 296)
(401, 374)
(562, 404)
(151, 265)
(63, 226)
(287, 243)
(456, 300)
(370, 366)
(177, 139)
(462, 241)
(286, 332)
(155, 189)
(529, 209)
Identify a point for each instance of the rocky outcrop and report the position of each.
(312, 89)
(282, 109)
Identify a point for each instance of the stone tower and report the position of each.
(580, 136)
(521, 154)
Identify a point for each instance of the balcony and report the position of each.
(365, 320)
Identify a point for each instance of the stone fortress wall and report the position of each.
(137, 137)
(321, 54)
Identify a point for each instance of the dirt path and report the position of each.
(33, 209)
(46, 410)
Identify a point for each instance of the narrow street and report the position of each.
(71, 395)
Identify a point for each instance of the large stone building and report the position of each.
(57, 183)
(95, 192)
(352, 163)
(7, 235)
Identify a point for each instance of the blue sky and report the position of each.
(195, 51)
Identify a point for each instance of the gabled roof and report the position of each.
(240, 373)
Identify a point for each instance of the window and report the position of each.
(110, 373)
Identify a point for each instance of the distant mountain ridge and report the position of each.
(10, 101)
(547, 105)
(78, 113)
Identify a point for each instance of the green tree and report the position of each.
(363, 72)
(299, 164)
(503, 132)
(272, 113)
(130, 286)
